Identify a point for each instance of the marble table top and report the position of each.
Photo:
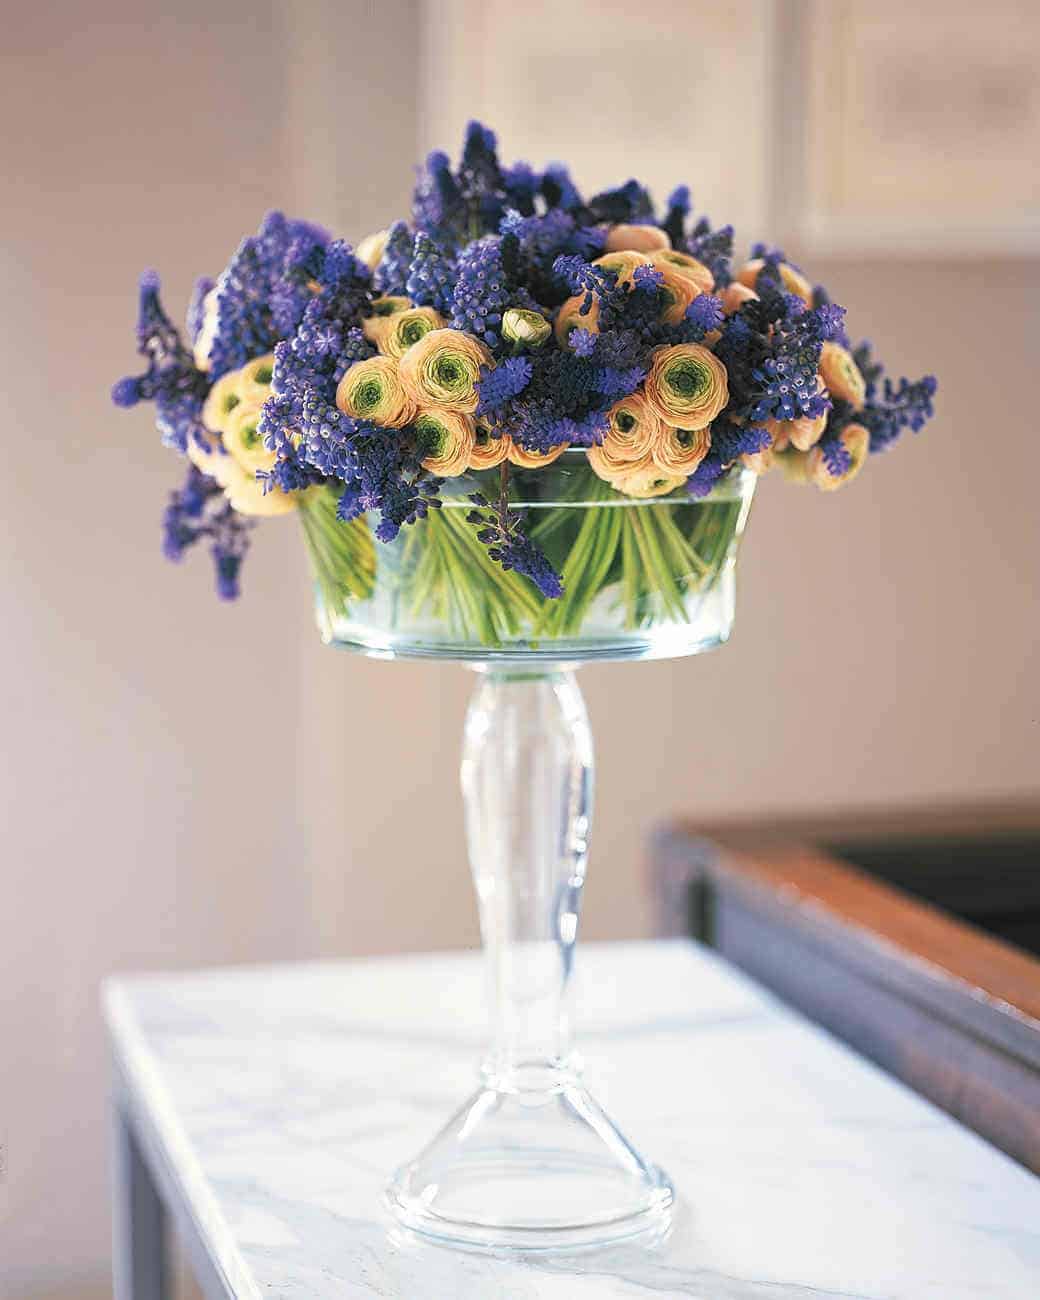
(281, 1098)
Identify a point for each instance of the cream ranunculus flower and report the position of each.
(683, 264)
(624, 263)
(855, 438)
(246, 494)
(242, 438)
(841, 376)
(447, 439)
(792, 280)
(374, 327)
(254, 379)
(687, 385)
(525, 459)
(372, 390)
(241, 487)
(569, 319)
(443, 368)
(489, 451)
(528, 329)
(221, 400)
(680, 451)
(405, 328)
(735, 295)
(625, 238)
(370, 250)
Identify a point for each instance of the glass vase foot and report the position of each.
(532, 1163)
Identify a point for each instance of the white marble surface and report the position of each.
(283, 1097)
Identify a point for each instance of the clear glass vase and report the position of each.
(531, 1161)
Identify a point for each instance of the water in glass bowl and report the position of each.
(642, 579)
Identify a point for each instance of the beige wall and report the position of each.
(186, 783)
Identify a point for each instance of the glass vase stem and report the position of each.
(527, 782)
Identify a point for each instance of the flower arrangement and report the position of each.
(510, 328)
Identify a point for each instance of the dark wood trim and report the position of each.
(949, 1009)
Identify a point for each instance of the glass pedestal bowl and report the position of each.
(531, 1162)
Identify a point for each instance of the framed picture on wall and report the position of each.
(918, 119)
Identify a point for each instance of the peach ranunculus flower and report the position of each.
(793, 281)
(624, 264)
(372, 390)
(678, 291)
(525, 459)
(759, 462)
(687, 385)
(489, 451)
(680, 451)
(373, 327)
(855, 438)
(405, 328)
(370, 250)
(648, 481)
(632, 427)
(443, 370)
(447, 438)
(672, 259)
(803, 433)
(569, 319)
(735, 295)
(841, 375)
(626, 238)
(611, 465)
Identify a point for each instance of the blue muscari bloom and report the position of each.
(674, 223)
(389, 479)
(520, 183)
(501, 530)
(436, 200)
(897, 407)
(581, 277)
(196, 306)
(480, 178)
(614, 384)
(582, 342)
(391, 275)
(629, 203)
(836, 456)
(559, 191)
(714, 248)
(268, 277)
(197, 510)
(431, 276)
(481, 292)
(705, 312)
(706, 475)
(498, 386)
(171, 381)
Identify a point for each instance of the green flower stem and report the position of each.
(342, 555)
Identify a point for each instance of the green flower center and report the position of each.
(264, 375)
(231, 400)
(368, 394)
(248, 436)
(624, 422)
(430, 435)
(688, 379)
(449, 373)
(413, 330)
